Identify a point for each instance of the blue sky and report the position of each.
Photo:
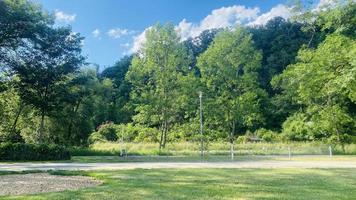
(114, 28)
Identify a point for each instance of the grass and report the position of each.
(241, 184)
(216, 148)
(116, 159)
(211, 158)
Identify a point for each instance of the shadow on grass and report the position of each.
(214, 184)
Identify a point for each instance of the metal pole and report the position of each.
(330, 152)
(201, 125)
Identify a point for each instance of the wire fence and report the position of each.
(223, 150)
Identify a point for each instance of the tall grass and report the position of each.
(216, 148)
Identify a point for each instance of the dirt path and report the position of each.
(178, 165)
(42, 182)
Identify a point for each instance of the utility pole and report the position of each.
(201, 125)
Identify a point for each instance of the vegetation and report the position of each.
(213, 184)
(36, 152)
(288, 80)
(214, 149)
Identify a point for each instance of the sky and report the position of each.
(115, 28)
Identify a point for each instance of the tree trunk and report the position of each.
(41, 128)
(165, 134)
(13, 128)
(71, 121)
(312, 37)
(232, 140)
(161, 139)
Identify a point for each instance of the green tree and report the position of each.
(43, 68)
(156, 75)
(323, 83)
(279, 40)
(229, 69)
(120, 112)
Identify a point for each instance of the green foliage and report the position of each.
(156, 76)
(323, 82)
(105, 132)
(229, 71)
(292, 76)
(268, 135)
(124, 133)
(34, 152)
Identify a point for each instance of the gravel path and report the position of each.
(179, 165)
(42, 182)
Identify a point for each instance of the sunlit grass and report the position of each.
(214, 148)
(117, 159)
(215, 184)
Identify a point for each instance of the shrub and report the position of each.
(33, 152)
(106, 132)
(267, 135)
(128, 132)
(242, 139)
(296, 128)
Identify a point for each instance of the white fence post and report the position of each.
(330, 152)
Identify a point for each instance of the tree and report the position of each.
(279, 40)
(119, 111)
(43, 67)
(198, 45)
(156, 76)
(229, 71)
(20, 21)
(323, 83)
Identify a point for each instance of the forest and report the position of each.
(288, 80)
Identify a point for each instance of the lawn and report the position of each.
(214, 184)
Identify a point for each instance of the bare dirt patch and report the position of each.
(43, 182)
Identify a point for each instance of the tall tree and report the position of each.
(323, 83)
(156, 77)
(279, 40)
(120, 112)
(43, 66)
(229, 70)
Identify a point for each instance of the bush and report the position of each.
(242, 139)
(267, 135)
(106, 132)
(33, 152)
(297, 128)
(128, 132)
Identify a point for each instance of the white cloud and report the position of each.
(277, 11)
(96, 33)
(139, 40)
(63, 17)
(118, 32)
(219, 18)
(324, 3)
(224, 17)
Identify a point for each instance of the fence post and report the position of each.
(330, 152)
(232, 150)
(289, 153)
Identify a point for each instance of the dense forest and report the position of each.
(287, 80)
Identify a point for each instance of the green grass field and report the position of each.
(204, 184)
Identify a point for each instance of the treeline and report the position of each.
(286, 80)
